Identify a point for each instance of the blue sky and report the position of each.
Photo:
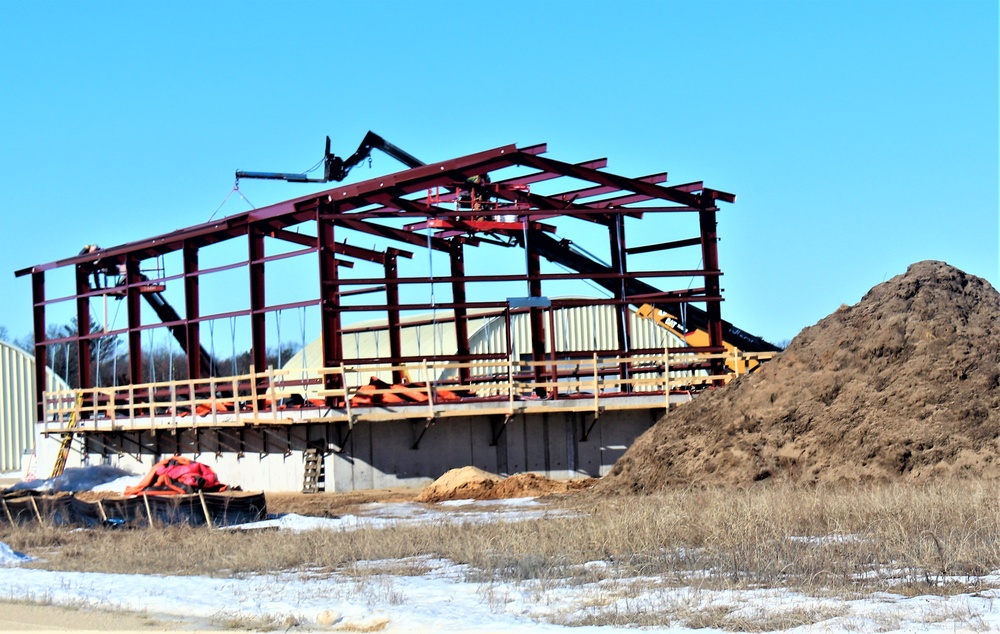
(860, 137)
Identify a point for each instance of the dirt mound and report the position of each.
(460, 484)
(470, 483)
(903, 385)
(523, 485)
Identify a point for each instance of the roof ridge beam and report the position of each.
(621, 182)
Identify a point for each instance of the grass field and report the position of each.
(833, 542)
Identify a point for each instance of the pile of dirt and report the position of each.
(460, 484)
(903, 385)
(470, 483)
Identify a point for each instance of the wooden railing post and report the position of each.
(666, 374)
(596, 387)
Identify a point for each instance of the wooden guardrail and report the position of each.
(495, 387)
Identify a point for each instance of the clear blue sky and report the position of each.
(859, 137)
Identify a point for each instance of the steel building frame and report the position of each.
(449, 215)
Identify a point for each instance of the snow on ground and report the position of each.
(384, 515)
(118, 485)
(440, 596)
(9, 557)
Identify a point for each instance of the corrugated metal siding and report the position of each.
(576, 329)
(17, 404)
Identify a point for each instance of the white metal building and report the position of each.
(574, 329)
(18, 415)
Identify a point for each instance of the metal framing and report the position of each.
(440, 210)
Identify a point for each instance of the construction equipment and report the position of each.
(67, 439)
(560, 252)
(336, 168)
(699, 337)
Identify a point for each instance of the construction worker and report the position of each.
(480, 190)
(91, 248)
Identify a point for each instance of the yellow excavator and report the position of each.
(736, 364)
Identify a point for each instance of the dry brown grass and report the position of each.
(939, 538)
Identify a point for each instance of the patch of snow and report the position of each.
(456, 502)
(118, 486)
(427, 594)
(387, 515)
(10, 557)
(820, 540)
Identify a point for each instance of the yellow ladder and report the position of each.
(67, 439)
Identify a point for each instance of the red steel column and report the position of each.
(132, 297)
(192, 311)
(536, 316)
(461, 314)
(329, 293)
(710, 256)
(616, 235)
(258, 327)
(392, 311)
(38, 300)
(83, 346)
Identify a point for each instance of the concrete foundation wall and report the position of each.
(381, 455)
(402, 453)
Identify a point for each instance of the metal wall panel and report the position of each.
(17, 404)
(580, 328)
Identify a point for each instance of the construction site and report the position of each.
(502, 310)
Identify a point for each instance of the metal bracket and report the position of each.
(342, 441)
(587, 429)
(219, 435)
(427, 425)
(121, 447)
(497, 432)
(288, 441)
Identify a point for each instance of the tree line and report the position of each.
(109, 360)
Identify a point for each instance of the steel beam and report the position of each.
(258, 326)
(41, 360)
(536, 317)
(329, 286)
(616, 238)
(392, 314)
(132, 302)
(620, 182)
(710, 257)
(192, 310)
(461, 315)
(663, 246)
(83, 346)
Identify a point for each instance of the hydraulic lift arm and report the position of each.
(336, 168)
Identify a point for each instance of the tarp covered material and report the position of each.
(177, 476)
(75, 479)
(24, 508)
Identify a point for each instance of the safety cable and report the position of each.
(277, 323)
(232, 336)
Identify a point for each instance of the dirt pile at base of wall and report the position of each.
(470, 483)
(903, 385)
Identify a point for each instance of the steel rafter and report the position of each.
(379, 207)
